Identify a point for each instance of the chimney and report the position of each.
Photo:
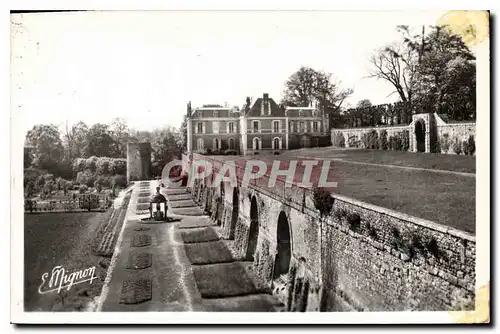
(266, 96)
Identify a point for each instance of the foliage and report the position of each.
(382, 140)
(354, 221)
(405, 140)
(370, 140)
(119, 180)
(45, 146)
(323, 201)
(97, 186)
(354, 141)
(469, 146)
(445, 143)
(100, 143)
(307, 86)
(432, 72)
(366, 114)
(338, 139)
(83, 189)
(457, 146)
(102, 166)
(86, 178)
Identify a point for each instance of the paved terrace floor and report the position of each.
(179, 265)
(437, 187)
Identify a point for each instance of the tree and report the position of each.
(120, 133)
(183, 134)
(308, 85)
(76, 140)
(46, 146)
(447, 76)
(430, 73)
(100, 143)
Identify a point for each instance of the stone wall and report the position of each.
(359, 257)
(439, 135)
(138, 161)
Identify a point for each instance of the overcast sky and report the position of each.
(146, 66)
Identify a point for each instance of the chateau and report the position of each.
(261, 126)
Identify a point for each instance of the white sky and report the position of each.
(146, 66)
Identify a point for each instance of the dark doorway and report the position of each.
(253, 235)
(282, 264)
(420, 135)
(234, 214)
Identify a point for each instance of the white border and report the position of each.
(482, 193)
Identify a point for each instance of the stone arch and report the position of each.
(253, 233)
(420, 135)
(284, 246)
(235, 213)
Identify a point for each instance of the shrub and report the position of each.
(405, 140)
(79, 165)
(338, 140)
(105, 180)
(323, 201)
(102, 167)
(469, 146)
(445, 143)
(373, 140)
(117, 166)
(97, 186)
(354, 221)
(119, 181)
(364, 140)
(83, 189)
(457, 147)
(382, 140)
(91, 164)
(86, 178)
(353, 141)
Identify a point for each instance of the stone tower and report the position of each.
(138, 161)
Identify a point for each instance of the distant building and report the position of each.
(262, 126)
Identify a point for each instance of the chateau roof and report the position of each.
(276, 111)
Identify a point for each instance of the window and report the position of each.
(255, 126)
(231, 143)
(315, 126)
(276, 126)
(265, 108)
(302, 127)
(256, 143)
(231, 127)
(199, 127)
(216, 113)
(216, 144)
(276, 144)
(200, 144)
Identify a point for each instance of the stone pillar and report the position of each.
(286, 133)
(189, 135)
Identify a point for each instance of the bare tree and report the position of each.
(397, 63)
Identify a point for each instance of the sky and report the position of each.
(145, 66)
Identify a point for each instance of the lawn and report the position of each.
(208, 252)
(457, 163)
(444, 198)
(65, 239)
(224, 280)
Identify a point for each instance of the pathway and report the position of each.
(180, 265)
